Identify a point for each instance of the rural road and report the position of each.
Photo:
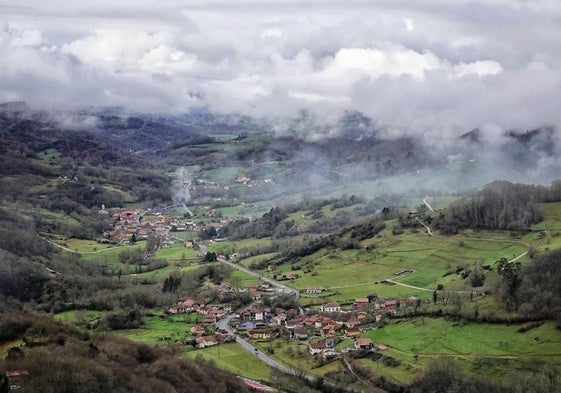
(74, 251)
(427, 204)
(224, 324)
(276, 284)
(426, 226)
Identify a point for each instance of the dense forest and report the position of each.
(534, 289)
(499, 205)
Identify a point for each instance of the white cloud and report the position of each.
(409, 24)
(477, 68)
(429, 66)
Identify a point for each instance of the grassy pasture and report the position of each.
(235, 359)
(223, 174)
(127, 196)
(295, 355)
(89, 317)
(89, 246)
(238, 246)
(178, 253)
(171, 269)
(245, 280)
(259, 258)
(49, 154)
(111, 255)
(158, 331)
(550, 226)
(469, 342)
(353, 273)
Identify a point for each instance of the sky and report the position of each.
(438, 67)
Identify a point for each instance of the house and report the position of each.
(17, 378)
(331, 307)
(300, 333)
(205, 341)
(353, 332)
(184, 305)
(259, 334)
(198, 330)
(293, 324)
(389, 305)
(361, 302)
(314, 322)
(247, 325)
(330, 329)
(257, 313)
(311, 290)
(364, 344)
(210, 319)
(329, 353)
(352, 322)
(316, 348)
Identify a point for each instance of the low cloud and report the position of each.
(429, 68)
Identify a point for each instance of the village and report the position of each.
(131, 225)
(320, 329)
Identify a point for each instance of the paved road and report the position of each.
(224, 323)
(276, 284)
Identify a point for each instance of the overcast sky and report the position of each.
(416, 66)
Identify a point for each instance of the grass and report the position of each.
(235, 359)
(353, 273)
(223, 174)
(245, 280)
(171, 269)
(177, 252)
(80, 245)
(296, 356)
(550, 226)
(127, 196)
(48, 154)
(416, 341)
(158, 331)
(73, 316)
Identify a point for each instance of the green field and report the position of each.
(428, 338)
(354, 273)
(296, 356)
(223, 174)
(159, 331)
(550, 227)
(85, 318)
(234, 358)
(178, 253)
(89, 246)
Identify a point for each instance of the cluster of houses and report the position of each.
(140, 223)
(319, 329)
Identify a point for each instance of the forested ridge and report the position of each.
(499, 205)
